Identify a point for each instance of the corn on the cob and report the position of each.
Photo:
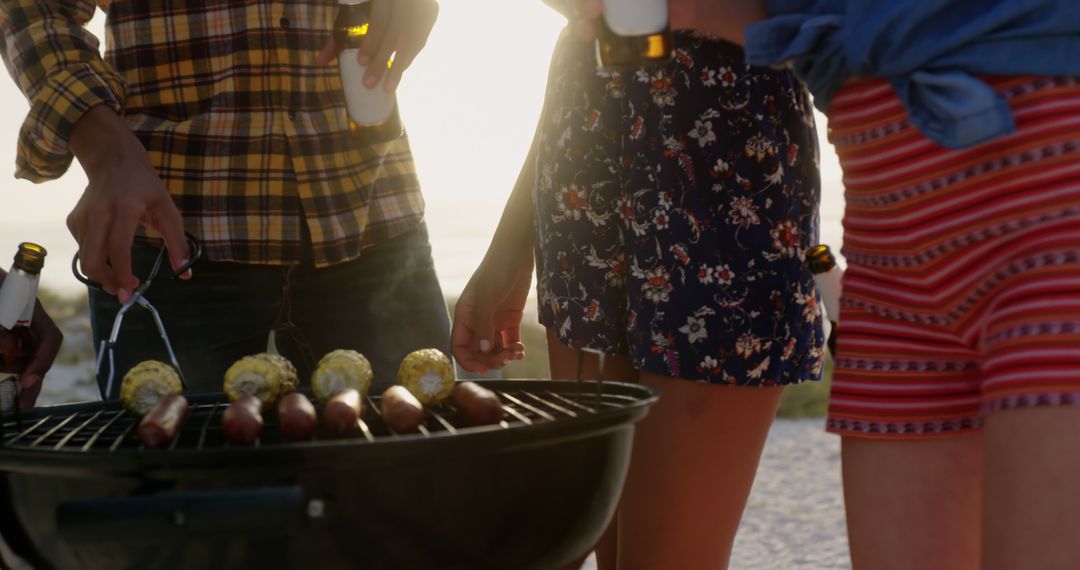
(146, 384)
(265, 376)
(428, 374)
(290, 379)
(339, 370)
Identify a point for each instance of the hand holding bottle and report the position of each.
(29, 341)
(47, 340)
(397, 27)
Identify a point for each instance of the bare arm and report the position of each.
(487, 319)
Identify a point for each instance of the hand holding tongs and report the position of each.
(138, 298)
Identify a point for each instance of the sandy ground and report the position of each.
(795, 516)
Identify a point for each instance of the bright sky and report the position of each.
(470, 103)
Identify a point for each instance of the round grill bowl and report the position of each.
(535, 492)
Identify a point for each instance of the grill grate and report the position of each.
(108, 428)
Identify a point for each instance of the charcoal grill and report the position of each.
(78, 490)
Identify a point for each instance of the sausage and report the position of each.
(161, 424)
(243, 421)
(342, 412)
(296, 416)
(401, 410)
(476, 404)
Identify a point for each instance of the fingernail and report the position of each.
(187, 273)
(363, 59)
(507, 361)
(371, 81)
(123, 295)
(485, 345)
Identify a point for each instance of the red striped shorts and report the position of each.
(962, 291)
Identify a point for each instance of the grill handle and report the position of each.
(184, 514)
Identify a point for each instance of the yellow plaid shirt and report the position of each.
(248, 134)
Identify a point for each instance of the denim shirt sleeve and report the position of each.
(807, 35)
(931, 51)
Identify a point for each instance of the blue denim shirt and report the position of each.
(931, 51)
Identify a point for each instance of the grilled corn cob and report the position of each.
(338, 370)
(146, 384)
(265, 376)
(428, 374)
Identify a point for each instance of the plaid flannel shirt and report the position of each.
(248, 134)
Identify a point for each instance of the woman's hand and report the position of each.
(487, 319)
(397, 27)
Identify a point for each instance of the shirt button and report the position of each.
(284, 22)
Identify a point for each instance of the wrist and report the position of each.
(100, 139)
(516, 255)
(510, 244)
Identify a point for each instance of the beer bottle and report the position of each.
(633, 33)
(18, 295)
(827, 278)
(373, 113)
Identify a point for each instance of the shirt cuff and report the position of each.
(43, 152)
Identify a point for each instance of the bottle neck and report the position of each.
(351, 25)
(818, 267)
(30, 258)
(820, 259)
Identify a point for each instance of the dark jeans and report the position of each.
(385, 304)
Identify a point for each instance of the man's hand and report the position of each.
(47, 340)
(487, 319)
(397, 27)
(124, 192)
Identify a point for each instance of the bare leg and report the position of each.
(913, 504)
(695, 457)
(1032, 494)
(564, 364)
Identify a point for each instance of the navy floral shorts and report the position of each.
(673, 207)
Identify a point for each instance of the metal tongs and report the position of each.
(138, 298)
(599, 374)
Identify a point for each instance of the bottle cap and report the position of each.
(820, 258)
(30, 257)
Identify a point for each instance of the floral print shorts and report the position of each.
(673, 206)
